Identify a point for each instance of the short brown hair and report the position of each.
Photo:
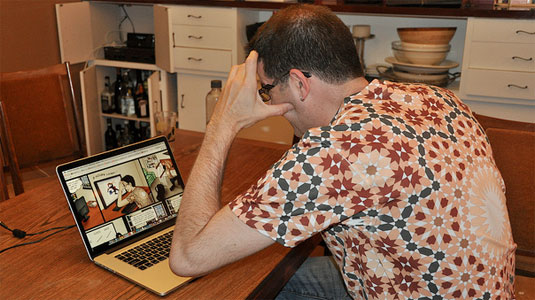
(310, 38)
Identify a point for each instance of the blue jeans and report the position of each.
(317, 278)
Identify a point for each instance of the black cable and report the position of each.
(126, 16)
(21, 234)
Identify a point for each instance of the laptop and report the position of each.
(125, 203)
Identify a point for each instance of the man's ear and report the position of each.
(302, 83)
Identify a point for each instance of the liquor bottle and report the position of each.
(144, 130)
(110, 137)
(118, 86)
(212, 97)
(126, 137)
(127, 97)
(107, 97)
(134, 131)
(118, 134)
(141, 98)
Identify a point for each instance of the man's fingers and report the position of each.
(278, 109)
(250, 68)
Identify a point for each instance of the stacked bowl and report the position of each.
(423, 45)
(420, 54)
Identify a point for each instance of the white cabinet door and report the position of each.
(74, 31)
(91, 111)
(163, 38)
(92, 83)
(155, 100)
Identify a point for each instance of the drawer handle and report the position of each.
(182, 102)
(194, 16)
(174, 40)
(194, 58)
(517, 86)
(522, 58)
(523, 31)
(197, 37)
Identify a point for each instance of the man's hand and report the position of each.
(240, 106)
(207, 236)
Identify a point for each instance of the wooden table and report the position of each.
(59, 268)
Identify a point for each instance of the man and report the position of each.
(399, 178)
(136, 195)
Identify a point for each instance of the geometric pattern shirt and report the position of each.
(403, 187)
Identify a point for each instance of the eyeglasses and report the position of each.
(264, 91)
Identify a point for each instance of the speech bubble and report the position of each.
(74, 185)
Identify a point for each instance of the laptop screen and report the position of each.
(117, 195)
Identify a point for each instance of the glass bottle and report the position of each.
(118, 86)
(107, 97)
(212, 97)
(110, 136)
(141, 98)
(126, 136)
(119, 134)
(127, 97)
(144, 130)
(133, 128)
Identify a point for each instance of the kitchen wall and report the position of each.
(28, 34)
(29, 37)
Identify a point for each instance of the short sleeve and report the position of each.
(309, 189)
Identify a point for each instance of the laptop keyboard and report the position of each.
(149, 253)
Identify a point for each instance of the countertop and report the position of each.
(484, 11)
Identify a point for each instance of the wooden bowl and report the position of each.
(426, 35)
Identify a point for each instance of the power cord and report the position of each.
(126, 17)
(22, 234)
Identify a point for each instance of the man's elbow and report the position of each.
(181, 267)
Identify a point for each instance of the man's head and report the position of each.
(130, 182)
(309, 38)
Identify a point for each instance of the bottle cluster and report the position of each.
(126, 96)
(125, 132)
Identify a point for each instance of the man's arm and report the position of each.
(207, 236)
(120, 201)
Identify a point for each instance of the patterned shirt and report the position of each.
(403, 187)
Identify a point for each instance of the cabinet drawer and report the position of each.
(503, 30)
(502, 56)
(202, 59)
(203, 16)
(203, 37)
(499, 84)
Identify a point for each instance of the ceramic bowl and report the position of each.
(419, 56)
(413, 46)
(426, 35)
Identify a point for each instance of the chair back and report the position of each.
(513, 148)
(8, 158)
(44, 117)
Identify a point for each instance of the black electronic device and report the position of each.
(142, 55)
(140, 40)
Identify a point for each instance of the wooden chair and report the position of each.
(44, 122)
(7, 150)
(513, 147)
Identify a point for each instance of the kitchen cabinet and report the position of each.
(198, 43)
(201, 44)
(92, 83)
(194, 45)
(84, 29)
(499, 66)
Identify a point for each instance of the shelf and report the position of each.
(124, 64)
(123, 117)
